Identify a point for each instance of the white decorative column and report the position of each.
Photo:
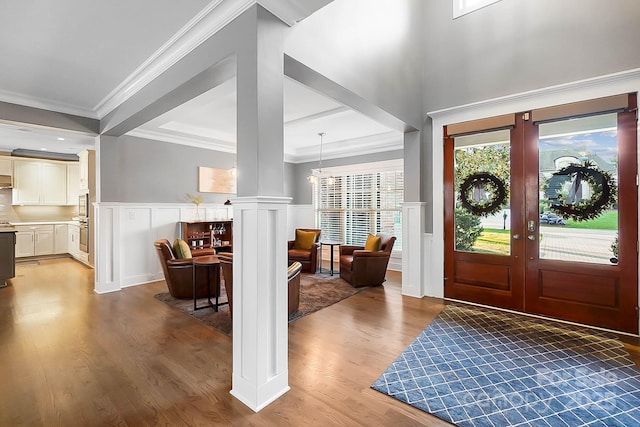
(106, 248)
(260, 300)
(260, 340)
(413, 215)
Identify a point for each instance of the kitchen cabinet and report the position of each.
(6, 165)
(74, 240)
(24, 244)
(73, 183)
(26, 183)
(38, 182)
(74, 245)
(61, 239)
(53, 184)
(87, 169)
(34, 240)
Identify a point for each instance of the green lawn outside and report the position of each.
(607, 221)
(496, 240)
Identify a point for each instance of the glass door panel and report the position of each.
(482, 188)
(565, 149)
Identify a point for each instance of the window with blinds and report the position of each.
(357, 204)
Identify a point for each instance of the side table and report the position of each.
(331, 244)
(211, 262)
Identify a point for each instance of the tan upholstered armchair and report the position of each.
(360, 267)
(305, 252)
(293, 278)
(178, 273)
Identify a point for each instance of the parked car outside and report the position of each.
(551, 219)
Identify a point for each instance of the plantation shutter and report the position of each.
(357, 204)
(330, 210)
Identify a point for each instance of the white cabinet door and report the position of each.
(84, 170)
(6, 166)
(44, 240)
(24, 243)
(26, 182)
(61, 239)
(42, 182)
(73, 183)
(53, 189)
(74, 240)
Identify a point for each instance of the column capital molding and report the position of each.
(261, 200)
(413, 204)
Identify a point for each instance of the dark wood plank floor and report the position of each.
(70, 357)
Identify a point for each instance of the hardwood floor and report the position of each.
(70, 357)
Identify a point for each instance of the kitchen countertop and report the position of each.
(7, 229)
(43, 222)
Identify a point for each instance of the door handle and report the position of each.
(516, 237)
(531, 237)
(531, 226)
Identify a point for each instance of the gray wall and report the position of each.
(515, 46)
(142, 170)
(506, 48)
(336, 42)
(302, 189)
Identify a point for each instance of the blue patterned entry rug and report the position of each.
(475, 366)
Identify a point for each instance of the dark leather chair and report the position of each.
(178, 273)
(293, 278)
(365, 268)
(307, 257)
(226, 266)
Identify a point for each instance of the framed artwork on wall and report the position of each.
(214, 180)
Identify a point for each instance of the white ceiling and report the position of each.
(75, 57)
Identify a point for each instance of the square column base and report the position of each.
(260, 291)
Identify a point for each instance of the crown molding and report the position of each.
(209, 21)
(354, 147)
(596, 87)
(46, 104)
(347, 148)
(191, 141)
(215, 16)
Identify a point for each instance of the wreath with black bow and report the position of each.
(603, 192)
(486, 184)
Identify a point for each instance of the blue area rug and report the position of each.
(474, 366)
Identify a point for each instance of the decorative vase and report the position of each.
(197, 218)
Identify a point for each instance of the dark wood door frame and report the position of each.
(596, 294)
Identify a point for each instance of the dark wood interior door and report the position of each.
(475, 271)
(573, 273)
(538, 261)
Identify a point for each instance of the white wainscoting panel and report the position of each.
(136, 245)
(105, 248)
(413, 214)
(126, 231)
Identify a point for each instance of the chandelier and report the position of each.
(315, 177)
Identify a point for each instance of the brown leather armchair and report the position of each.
(178, 273)
(307, 257)
(293, 278)
(365, 268)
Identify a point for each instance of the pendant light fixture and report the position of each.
(314, 178)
